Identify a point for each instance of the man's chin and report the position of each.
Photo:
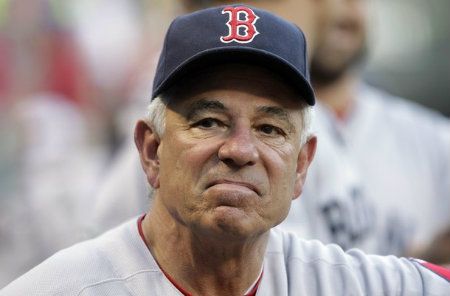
(234, 223)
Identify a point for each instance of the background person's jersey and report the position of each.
(380, 181)
(333, 206)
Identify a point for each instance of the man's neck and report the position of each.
(202, 266)
(339, 95)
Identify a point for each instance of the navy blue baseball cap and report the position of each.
(234, 34)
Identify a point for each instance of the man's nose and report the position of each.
(239, 148)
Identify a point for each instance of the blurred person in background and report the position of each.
(116, 40)
(397, 155)
(50, 153)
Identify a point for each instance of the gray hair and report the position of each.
(156, 115)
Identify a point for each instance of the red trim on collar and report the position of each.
(179, 288)
(183, 291)
(141, 232)
(256, 286)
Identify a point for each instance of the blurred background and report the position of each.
(76, 74)
(409, 50)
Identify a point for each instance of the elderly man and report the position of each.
(226, 147)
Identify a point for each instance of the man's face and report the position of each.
(343, 43)
(230, 160)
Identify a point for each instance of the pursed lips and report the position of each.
(239, 183)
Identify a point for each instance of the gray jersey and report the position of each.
(119, 263)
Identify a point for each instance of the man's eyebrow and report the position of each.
(278, 112)
(204, 105)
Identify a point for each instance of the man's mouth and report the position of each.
(235, 183)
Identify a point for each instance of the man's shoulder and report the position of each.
(61, 274)
(399, 108)
(293, 249)
(340, 272)
(81, 266)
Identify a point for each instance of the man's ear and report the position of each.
(147, 142)
(305, 157)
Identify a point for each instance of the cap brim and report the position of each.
(250, 56)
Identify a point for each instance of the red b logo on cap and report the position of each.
(240, 30)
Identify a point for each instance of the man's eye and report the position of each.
(270, 130)
(207, 123)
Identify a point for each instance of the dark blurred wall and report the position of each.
(410, 54)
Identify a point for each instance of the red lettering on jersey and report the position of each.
(240, 29)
